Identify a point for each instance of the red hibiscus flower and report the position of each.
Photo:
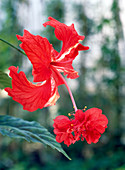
(89, 125)
(63, 130)
(47, 63)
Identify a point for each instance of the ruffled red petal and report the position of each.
(95, 123)
(69, 36)
(92, 136)
(60, 137)
(38, 50)
(66, 137)
(80, 116)
(54, 94)
(57, 78)
(69, 139)
(89, 125)
(62, 129)
(74, 52)
(54, 54)
(29, 95)
(61, 123)
(67, 62)
(65, 33)
(67, 68)
(95, 114)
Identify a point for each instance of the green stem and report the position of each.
(12, 46)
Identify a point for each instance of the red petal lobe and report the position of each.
(38, 50)
(65, 33)
(29, 95)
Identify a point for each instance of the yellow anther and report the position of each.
(85, 107)
(69, 114)
(83, 127)
(72, 125)
(73, 107)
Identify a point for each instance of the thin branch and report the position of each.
(12, 46)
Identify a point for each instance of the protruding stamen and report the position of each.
(85, 108)
(83, 127)
(71, 113)
(72, 124)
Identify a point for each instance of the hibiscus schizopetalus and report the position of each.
(89, 125)
(47, 64)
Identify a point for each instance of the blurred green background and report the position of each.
(101, 83)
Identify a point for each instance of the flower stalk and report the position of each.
(70, 93)
(12, 46)
(68, 88)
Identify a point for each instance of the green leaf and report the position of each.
(5, 80)
(30, 131)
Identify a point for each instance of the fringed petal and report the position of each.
(66, 34)
(31, 96)
(38, 50)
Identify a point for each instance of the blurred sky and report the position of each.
(33, 16)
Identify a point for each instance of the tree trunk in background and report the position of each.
(118, 80)
(85, 25)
